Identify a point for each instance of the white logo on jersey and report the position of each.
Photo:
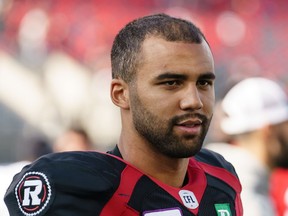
(223, 212)
(223, 209)
(33, 193)
(189, 199)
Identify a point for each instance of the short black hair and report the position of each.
(127, 43)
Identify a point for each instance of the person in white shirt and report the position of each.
(256, 119)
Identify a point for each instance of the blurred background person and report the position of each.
(73, 139)
(256, 120)
(279, 176)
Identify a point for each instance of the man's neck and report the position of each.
(168, 170)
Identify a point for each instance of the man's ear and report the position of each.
(119, 93)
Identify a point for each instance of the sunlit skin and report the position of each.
(167, 109)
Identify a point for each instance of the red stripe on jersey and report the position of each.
(118, 202)
(229, 179)
(222, 174)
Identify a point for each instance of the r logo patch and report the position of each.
(33, 193)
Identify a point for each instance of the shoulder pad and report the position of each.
(212, 158)
(57, 177)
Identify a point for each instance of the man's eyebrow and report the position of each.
(208, 75)
(170, 75)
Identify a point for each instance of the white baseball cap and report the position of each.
(253, 103)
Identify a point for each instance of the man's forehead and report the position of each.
(158, 45)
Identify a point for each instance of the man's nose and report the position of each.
(191, 99)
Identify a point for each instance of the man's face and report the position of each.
(172, 97)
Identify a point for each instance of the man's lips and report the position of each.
(191, 126)
(190, 122)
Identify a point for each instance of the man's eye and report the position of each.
(171, 83)
(204, 83)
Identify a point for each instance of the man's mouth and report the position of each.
(191, 126)
(190, 122)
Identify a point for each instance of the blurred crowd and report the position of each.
(55, 67)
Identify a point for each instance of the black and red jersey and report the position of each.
(102, 184)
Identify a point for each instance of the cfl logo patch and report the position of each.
(189, 199)
(33, 193)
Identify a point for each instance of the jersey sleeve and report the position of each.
(74, 183)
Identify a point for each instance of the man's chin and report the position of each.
(184, 153)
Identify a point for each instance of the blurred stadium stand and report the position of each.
(54, 58)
